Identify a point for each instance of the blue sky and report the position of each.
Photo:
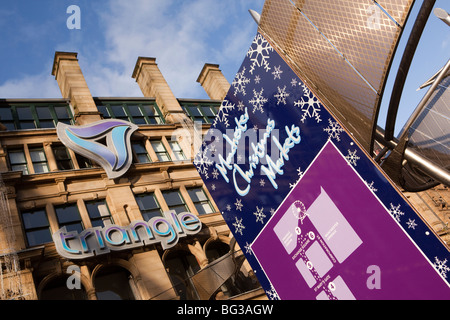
(182, 35)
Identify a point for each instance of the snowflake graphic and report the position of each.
(441, 267)
(258, 100)
(222, 115)
(352, 157)
(239, 227)
(259, 53)
(238, 204)
(257, 78)
(334, 130)
(411, 224)
(202, 162)
(272, 293)
(309, 104)
(277, 73)
(248, 249)
(272, 211)
(228, 207)
(370, 186)
(240, 106)
(395, 212)
(300, 174)
(259, 214)
(213, 187)
(281, 95)
(262, 183)
(215, 173)
(239, 82)
(213, 149)
(294, 82)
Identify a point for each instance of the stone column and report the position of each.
(153, 84)
(73, 86)
(213, 81)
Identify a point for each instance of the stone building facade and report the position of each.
(47, 186)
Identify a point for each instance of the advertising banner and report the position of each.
(313, 214)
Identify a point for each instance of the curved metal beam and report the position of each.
(405, 63)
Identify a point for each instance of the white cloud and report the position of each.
(31, 86)
(181, 35)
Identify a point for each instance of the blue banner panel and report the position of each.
(313, 214)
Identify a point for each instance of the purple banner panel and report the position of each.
(314, 215)
(330, 240)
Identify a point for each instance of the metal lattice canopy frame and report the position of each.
(343, 51)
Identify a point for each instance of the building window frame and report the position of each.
(73, 222)
(201, 111)
(63, 158)
(14, 165)
(160, 149)
(39, 163)
(98, 217)
(148, 212)
(200, 203)
(179, 205)
(136, 112)
(33, 118)
(32, 227)
(176, 150)
(140, 152)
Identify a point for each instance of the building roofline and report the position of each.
(33, 100)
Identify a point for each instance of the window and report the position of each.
(153, 114)
(45, 117)
(18, 161)
(114, 283)
(7, 119)
(85, 163)
(160, 150)
(57, 289)
(68, 216)
(175, 201)
(119, 112)
(148, 205)
(62, 114)
(35, 115)
(62, 157)
(140, 152)
(200, 200)
(38, 160)
(99, 213)
(37, 227)
(135, 112)
(181, 266)
(25, 117)
(104, 111)
(201, 112)
(179, 155)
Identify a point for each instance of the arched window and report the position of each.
(57, 289)
(240, 281)
(114, 283)
(181, 266)
(214, 251)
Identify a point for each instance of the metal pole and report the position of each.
(443, 15)
(437, 173)
(424, 100)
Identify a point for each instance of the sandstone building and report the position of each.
(46, 186)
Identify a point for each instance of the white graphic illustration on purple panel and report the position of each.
(335, 231)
